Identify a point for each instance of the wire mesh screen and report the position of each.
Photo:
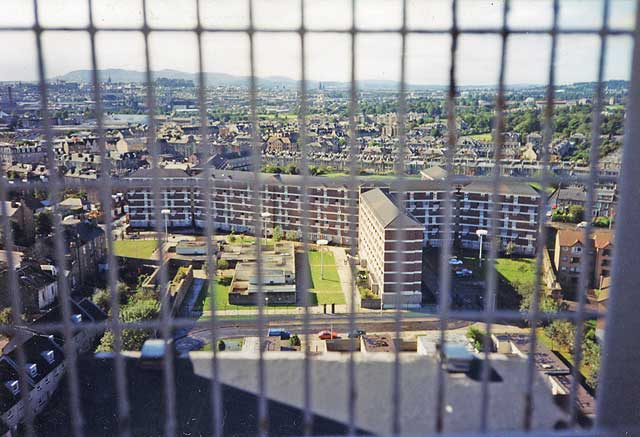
(220, 201)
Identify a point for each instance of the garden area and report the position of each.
(136, 305)
(326, 288)
(135, 248)
(559, 336)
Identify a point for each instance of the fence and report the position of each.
(620, 380)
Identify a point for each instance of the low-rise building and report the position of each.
(278, 278)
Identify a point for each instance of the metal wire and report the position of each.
(163, 286)
(495, 240)
(63, 286)
(112, 273)
(306, 280)
(447, 239)
(263, 418)
(542, 228)
(352, 208)
(585, 262)
(205, 187)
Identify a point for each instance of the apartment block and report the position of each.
(390, 247)
(331, 205)
(571, 246)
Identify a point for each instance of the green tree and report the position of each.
(6, 316)
(510, 249)
(561, 332)
(221, 345)
(591, 354)
(294, 341)
(223, 264)
(476, 337)
(292, 235)
(277, 234)
(44, 223)
(102, 299)
(577, 213)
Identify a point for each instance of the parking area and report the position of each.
(467, 281)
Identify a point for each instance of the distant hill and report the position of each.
(223, 79)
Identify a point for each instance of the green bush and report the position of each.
(476, 337)
(223, 264)
(102, 299)
(294, 341)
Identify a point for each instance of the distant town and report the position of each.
(360, 231)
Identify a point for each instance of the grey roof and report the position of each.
(386, 211)
(435, 173)
(162, 172)
(505, 187)
(574, 193)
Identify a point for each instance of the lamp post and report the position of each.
(481, 233)
(321, 243)
(166, 213)
(265, 216)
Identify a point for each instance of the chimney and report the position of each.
(13, 386)
(48, 356)
(32, 369)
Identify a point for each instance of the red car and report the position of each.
(327, 335)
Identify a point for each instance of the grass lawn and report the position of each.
(221, 293)
(232, 344)
(327, 289)
(482, 137)
(135, 248)
(522, 270)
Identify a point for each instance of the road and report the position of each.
(197, 337)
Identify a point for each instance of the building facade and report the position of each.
(571, 246)
(331, 205)
(390, 248)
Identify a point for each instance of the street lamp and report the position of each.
(481, 233)
(166, 213)
(265, 216)
(321, 243)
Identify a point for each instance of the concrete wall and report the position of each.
(179, 291)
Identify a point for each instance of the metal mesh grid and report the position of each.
(166, 323)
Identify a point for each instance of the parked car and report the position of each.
(327, 335)
(581, 225)
(453, 261)
(357, 333)
(464, 272)
(279, 332)
(152, 354)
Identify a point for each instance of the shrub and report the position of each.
(102, 299)
(476, 337)
(221, 345)
(294, 341)
(223, 264)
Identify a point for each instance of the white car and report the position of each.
(464, 272)
(455, 261)
(581, 225)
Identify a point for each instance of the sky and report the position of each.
(327, 54)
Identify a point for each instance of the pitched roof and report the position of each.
(505, 187)
(569, 237)
(386, 211)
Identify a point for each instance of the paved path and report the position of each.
(347, 282)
